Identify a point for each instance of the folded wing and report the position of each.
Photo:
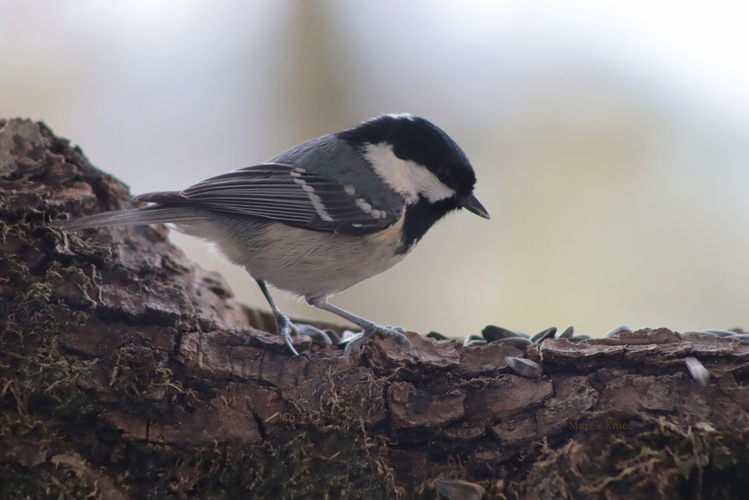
(283, 193)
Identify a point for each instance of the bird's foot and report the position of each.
(287, 329)
(318, 336)
(356, 343)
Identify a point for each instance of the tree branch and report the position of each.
(126, 372)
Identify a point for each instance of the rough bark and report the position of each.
(128, 372)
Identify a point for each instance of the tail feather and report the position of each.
(147, 215)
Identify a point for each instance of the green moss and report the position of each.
(290, 468)
(41, 482)
(44, 407)
(41, 406)
(664, 462)
(721, 457)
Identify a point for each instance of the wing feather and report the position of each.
(283, 193)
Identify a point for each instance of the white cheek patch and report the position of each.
(406, 177)
(427, 183)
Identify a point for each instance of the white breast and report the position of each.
(303, 262)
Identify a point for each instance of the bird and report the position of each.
(323, 215)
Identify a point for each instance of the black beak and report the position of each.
(473, 205)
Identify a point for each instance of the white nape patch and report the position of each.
(407, 116)
(313, 197)
(406, 177)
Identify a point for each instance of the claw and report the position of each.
(356, 343)
(286, 329)
(403, 340)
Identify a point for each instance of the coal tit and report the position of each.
(325, 214)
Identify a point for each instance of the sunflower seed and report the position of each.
(544, 334)
(436, 336)
(524, 367)
(455, 489)
(519, 342)
(616, 331)
(569, 332)
(697, 370)
(492, 333)
(474, 339)
(579, 338)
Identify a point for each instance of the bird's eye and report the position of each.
(443, 174)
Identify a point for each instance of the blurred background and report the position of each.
(610, 139)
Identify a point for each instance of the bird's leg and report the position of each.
(285, 327)
(369, 329)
